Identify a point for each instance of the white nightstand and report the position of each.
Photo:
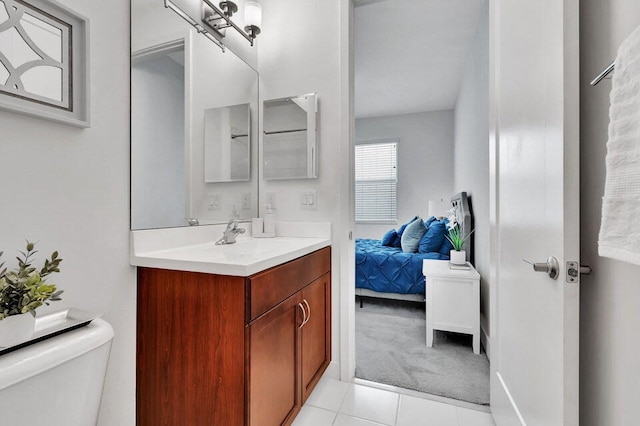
(453, 300)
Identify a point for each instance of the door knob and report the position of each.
(550, 267)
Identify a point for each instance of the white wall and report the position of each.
(471, 164)
(68, 189)
(425, 162)
(304, 49)
(610, 296)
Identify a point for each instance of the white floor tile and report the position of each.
(371, 404)
(328, 394)
(343, 420)
(468, 417)
(414, 411)
(314, 416)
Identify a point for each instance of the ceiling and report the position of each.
(409, 54)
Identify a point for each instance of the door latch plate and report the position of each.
(573, 272)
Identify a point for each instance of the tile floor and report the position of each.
(336, 403)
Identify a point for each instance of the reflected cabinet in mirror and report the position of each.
(226, 143)
(194, 116)
(290, 145)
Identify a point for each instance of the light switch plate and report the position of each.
(215, 201)
(309, 200)
(246, 200)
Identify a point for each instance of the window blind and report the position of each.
(376, 182)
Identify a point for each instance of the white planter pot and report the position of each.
(16, 329)
(458, 257)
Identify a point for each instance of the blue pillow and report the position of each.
(389, 238)
(429, 221)
(445, 248)
(403, 227)
(412, 235)
(433, 238)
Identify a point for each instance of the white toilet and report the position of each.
(58, 381)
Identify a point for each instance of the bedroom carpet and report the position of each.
(391, 349)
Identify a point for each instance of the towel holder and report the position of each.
(608, 70)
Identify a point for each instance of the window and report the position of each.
(376, 181)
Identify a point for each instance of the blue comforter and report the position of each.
(389, 269)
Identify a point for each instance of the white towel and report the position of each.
(619, 231)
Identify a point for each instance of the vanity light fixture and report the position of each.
(252, 18)
(216, 19)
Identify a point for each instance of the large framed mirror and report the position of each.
(194, 118)
(290, 142)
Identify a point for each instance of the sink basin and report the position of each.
(245, 257)
(255, 246)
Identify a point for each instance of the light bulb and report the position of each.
(252, 17)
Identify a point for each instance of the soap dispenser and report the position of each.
(269, 221)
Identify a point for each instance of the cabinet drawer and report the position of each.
(268, 288)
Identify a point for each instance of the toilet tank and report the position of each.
(58, 381)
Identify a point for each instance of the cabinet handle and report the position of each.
(304, 315)
(308, 311)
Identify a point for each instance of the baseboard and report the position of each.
(332, 371)
(484, 336)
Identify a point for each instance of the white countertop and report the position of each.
(244, 258)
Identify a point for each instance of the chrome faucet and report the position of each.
(229, 235)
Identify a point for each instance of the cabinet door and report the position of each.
(274, 372)
(190, 346)
(316, 333)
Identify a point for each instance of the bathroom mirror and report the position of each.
(290, 144)
(181, 86)
(227, 132)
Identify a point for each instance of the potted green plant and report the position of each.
(457, 255)
(22, 290)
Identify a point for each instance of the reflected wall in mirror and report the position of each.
(179, 79)
(158, 180)
(227, 132)
(290, 142)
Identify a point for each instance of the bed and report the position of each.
(388, 272)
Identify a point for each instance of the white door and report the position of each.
(535, 186)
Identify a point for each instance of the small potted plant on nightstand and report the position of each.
(22, 291)
(457, 256)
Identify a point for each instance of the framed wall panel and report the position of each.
(44, 61)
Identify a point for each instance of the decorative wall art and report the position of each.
(44, 61)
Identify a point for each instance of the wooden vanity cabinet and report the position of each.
(316, 333)
(221, 350)
(274, 345)
(289, 349)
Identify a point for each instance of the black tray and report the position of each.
(54, 324)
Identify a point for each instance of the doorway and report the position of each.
(409, 89)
